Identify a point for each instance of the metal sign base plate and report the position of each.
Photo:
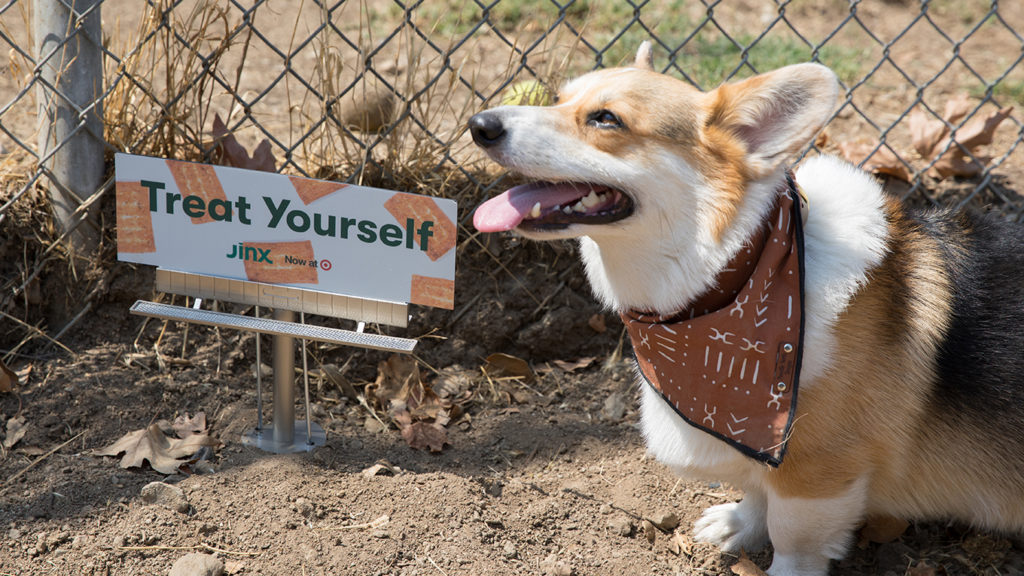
(264, 439)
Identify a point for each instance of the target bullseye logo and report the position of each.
(325, 264)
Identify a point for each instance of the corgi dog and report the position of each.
(911, 366)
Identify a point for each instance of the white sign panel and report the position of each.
(278, 229)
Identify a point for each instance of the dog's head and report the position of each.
(628, 156)
(621, 143)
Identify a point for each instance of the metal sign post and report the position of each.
(287, 435)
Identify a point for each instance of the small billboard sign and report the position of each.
(278, 229)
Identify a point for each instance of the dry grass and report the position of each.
(161, 98)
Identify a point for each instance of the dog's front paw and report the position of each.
(735, 526)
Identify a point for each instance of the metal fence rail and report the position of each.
(378, 91)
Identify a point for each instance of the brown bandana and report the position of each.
(729, 364)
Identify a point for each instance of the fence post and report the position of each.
(70, 71)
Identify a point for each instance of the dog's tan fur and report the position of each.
(848, 422)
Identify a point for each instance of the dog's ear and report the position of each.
(644, 56)
(775, 114)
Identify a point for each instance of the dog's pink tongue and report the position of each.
(507, 210)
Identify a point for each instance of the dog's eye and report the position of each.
(604, 119)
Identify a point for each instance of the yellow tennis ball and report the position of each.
(527, 93)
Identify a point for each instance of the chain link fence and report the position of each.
(378, 91)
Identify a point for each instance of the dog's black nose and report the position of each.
(486, 128)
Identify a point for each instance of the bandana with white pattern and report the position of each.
(729, 364)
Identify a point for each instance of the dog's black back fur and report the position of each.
(981, 359)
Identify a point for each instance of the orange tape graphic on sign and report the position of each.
(429, 291)
(134, 220)
(280, 262)
(420, 209)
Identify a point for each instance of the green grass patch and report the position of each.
(1007, 92)
(458, 17)
(616, 29)
(711, 61)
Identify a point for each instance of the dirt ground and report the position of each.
(546, 476)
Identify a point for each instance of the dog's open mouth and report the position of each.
(551, 206)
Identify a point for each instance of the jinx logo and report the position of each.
(241, 252)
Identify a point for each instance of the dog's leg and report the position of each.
(735, 526)
(807, 533)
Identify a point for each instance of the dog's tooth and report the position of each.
(567, 210)
(535, 212)
(590, 199)
(579, 207)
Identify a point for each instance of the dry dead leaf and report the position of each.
(381, 468)
(957, 108)
(334, 375)
(518, 395)
(958, 164)
(393, 376)
(597, 323)
(954, 154)
(746, 568)
(443, 418)
(500, 364)
(881, 530)
(185, 425)
(454, 382)
(16, 430)
(969, 138)
(417, 398)
(925, 133)
(421, 400)
(947, 153)
(881, 161)
(8, 379)
(574, 366)
(421, 435)
(232, 153)
(150, 444)
(418, 412)
(678, 544)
